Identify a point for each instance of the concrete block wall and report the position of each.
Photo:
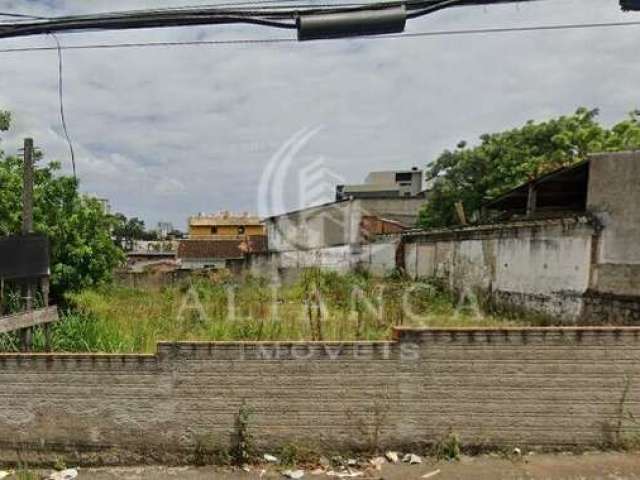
(547, 387)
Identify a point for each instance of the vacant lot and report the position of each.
(319, 306)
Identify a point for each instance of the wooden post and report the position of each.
(462, 217)
(532, 199)
(44, 286)
(27, 228)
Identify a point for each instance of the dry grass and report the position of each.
(319, 306)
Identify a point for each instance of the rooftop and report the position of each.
(224, 218)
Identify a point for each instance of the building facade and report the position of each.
(225, 225)
(385, 184)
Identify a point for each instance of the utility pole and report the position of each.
(27, 228)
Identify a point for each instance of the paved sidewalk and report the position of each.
(590, 466)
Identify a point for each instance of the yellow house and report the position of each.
(225, 225)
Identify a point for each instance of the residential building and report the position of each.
(195, 254)
(385, 184)
(346, 222)
(221, 240)
(224, 224)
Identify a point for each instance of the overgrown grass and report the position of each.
(319, 306)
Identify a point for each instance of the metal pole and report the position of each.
(27, 227)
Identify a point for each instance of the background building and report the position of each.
(221, 240)
(225, 224)
(385, 184)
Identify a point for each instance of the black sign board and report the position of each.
(24, 256)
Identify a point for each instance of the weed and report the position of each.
(242, 450)
(448, 448)
(206, 453)
(23, 472)
(291, 454)
(59, 464)
(320, 305)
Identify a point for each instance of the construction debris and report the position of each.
(378, 462)
(68, 474)
(412, 459)
(270, 458)
(294, 474)
(350, 473)
(431, 474)
(392, 456)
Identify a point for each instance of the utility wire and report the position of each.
(435, 33)
(61, 103)
(272, 17)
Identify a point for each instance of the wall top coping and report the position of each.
(399, 331)
(398, 334)
(456, 232)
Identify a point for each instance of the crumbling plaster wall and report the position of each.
(378, 258)
(538, 265)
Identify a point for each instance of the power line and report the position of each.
(61, 103)
(280, 40)
(272, 17)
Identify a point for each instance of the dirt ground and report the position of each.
(607, 466)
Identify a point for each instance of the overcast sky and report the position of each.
(168, 132)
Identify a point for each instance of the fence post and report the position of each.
(27, 228)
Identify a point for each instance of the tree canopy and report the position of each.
(83, 253)
(474, 174)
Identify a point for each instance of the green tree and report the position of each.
(504, 160)
(5, 120)
(127, 231)
(83, 253)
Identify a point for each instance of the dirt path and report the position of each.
(590, 466)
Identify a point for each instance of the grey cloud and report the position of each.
(167, 132)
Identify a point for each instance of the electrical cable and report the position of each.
(267, 16)
(280, 40)
(432, 8)
(61, 103)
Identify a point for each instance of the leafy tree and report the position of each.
(502, 161)
(127, 231)
(5, 120)
(82, 251)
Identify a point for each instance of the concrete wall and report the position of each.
(538, 265)
(403, 210)
(378, 258)
(336, 223)
(316, 227)
(519, 387)
(614, 197)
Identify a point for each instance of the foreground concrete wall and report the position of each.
(512, 387)
(538, 265)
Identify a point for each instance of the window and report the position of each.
(240, 230)
(214, 230)
(404, 177)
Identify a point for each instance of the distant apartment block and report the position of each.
(225, 224)
(385, 184)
